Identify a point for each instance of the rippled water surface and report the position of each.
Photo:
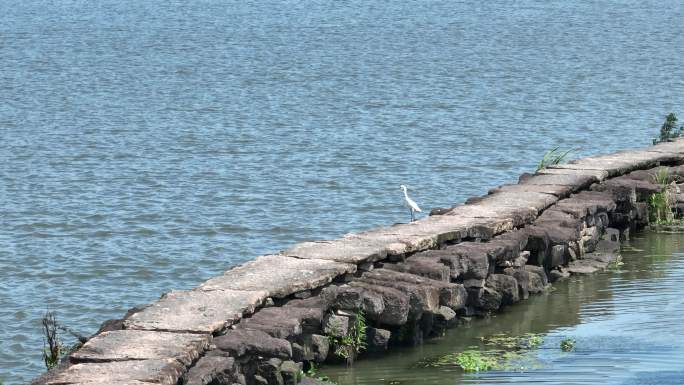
(627, 326)
(148, 145)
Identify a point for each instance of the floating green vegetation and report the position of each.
(497, 352)
(505, 341)
(616, 263)
(567, 344)
(312, 372)
(669, 129)
(553, 157)
(349, 346)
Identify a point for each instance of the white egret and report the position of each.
(412, 205)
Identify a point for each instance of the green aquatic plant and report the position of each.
(553, 157)
(669, 129)
(312, 372)
(505, 341)
(349, 346)
(616, 263)
(470, 360)
(661, 204)
(53, 350)
(475, 361)
(567, 344)
(498, 352)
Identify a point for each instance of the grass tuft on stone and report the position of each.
(353, 343)
(553, 157)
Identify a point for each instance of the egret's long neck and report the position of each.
(405, 194)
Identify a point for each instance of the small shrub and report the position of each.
(553, 157)
(669, 129)
(53, 350)
(661, 204)
(567, 344)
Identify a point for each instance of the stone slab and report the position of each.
(532, 200)
(196, 311)
(125, 345)
(569, 169)
(623, 162)
(575, 181)
(560, 191)
(497, 218)
(158, 372)
(242, 342)
(349, 249)
(420, 235)
(279, 275)
(675, 147)
(377, 244)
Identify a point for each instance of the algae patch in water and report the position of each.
(496, 352)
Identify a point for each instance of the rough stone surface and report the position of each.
(445, 318)
(575, 181)
(290, 371)
(563, 169)
(378, 339)
(196, 311)
(124, 345)
(336, 325)
(539, 272)
(531, 200)
(212, 369)
(239, 343)
(506, 285)
(448, 294)
(396, 304)
(279, 276)
(468, 260)
(159, 372)
(560, 191)
(493, 219)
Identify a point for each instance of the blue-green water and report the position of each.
(627, 325)
(146, 146)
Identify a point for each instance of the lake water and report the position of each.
(147, 146)
(627, 326)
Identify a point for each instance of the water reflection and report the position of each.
(626, 324)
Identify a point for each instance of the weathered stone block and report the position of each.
(336, 325)
(378, 339)
(445, 318)
(522, 277)
(124, 345)
(196, 311)
(538, 271)
(290, 372)
(139, 372)
(270, 370)
(506, 285)
(212, 369)
(243, 342)
(279, 276)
